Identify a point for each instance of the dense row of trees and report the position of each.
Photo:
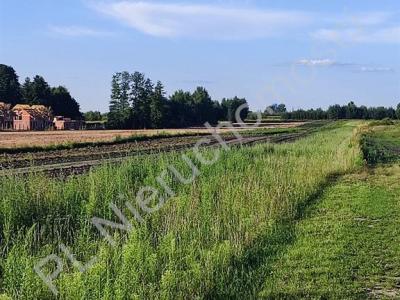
(136, 102)
(349, 111)
(36, 91)
(94, 116)
(275, 109)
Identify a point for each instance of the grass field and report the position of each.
(198, 244)
(304, 219)
(381, 144)
(346, 245)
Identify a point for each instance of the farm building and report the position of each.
(62, 123)
(35, 117)
(95, 125)
(6, 116)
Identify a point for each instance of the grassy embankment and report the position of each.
(218, 238)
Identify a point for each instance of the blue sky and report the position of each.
(304, 53)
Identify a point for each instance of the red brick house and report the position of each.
(35, 117)
(6, 116)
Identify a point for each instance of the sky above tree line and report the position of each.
(303, 53)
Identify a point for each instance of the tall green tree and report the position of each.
(140, 98)
(203, 107)
(10, 91)
(230, 107)
(63, 104)
(93, 116)
(335, 112)
(351, 111)
(180, 110)
(150, 108)
(158, 106)
(36, 91)
(275, 109)
(120, 110)
(398, 111)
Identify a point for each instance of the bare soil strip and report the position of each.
(60, 163)
(12, 140)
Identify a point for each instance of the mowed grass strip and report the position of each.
(347, 246)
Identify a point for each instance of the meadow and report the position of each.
(381, 143)
(216, 238)
(347, 245)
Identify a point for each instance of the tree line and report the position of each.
(36, 91)
(138, 103)
(349, 111)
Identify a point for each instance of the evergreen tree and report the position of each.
(120, 110)
(146, 103)
(62, 103)
(230, 107)
(203, 107)
(158, 106)
(37, 91)
(398, 111)
(275, 109)
(335, 112)
(363, 111)
(27, 90)
(9, 86)
(140, 98)
(219, 111)
(351, 111)
(180, 110)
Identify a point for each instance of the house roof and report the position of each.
(4, 109)
(21, 107)
(36, 111)
(5, 106)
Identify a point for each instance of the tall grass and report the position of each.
(203, 243)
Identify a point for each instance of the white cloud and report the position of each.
(359, 35)
(231, 21)
(203, 21)
(316, 62)
(376, 70)
(77, 31)
(327, 62)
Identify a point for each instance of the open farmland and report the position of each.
(82, 156)
(273, 220)
(15, 140)
(199, 150)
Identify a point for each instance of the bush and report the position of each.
(384, 122)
